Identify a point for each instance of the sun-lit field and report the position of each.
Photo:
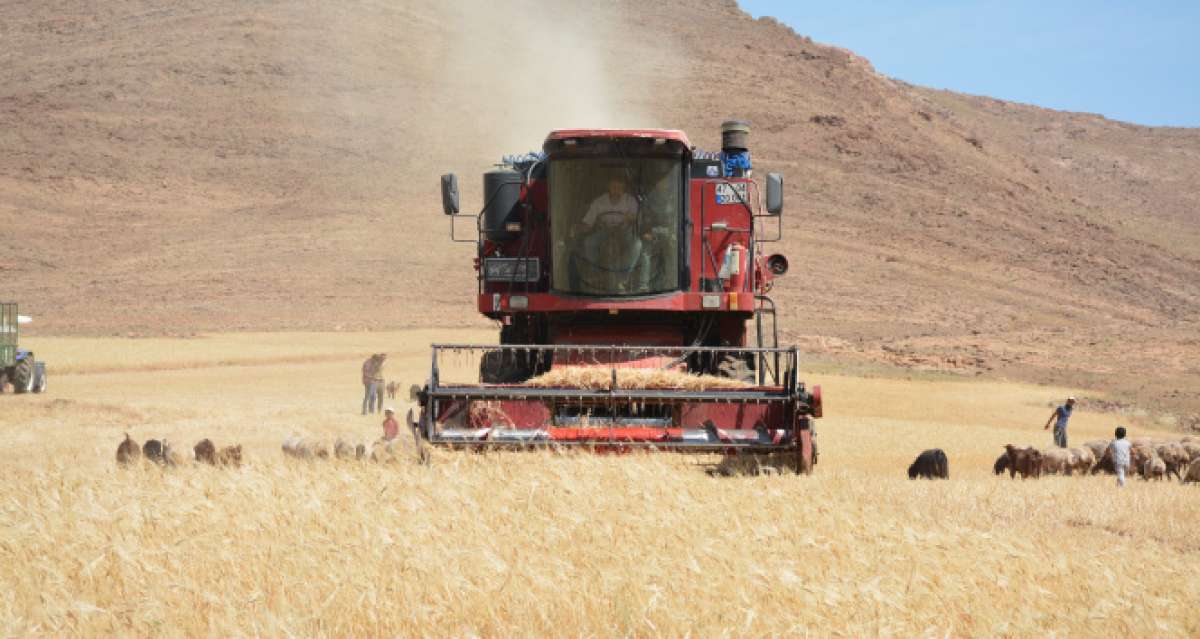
(543, 544)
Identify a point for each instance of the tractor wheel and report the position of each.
(22, 375)
(39, 377)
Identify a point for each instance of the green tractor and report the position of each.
(17, 366)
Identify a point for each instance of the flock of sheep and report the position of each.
(162, 453)
(1150, 458)
(380, 451)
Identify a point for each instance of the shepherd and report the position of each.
(372, 379)
(1059, 418)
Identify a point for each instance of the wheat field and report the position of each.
(535, 544)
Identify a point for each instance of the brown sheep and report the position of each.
(230, 456)
(206, 452)
(1138, 456)
(343, 450)
(1192, 449)
(171, 457)
(295, 446)
(1105, 463)
(1193, 472)
(1056, 460)
(384, 451)
(1153, 468)
(1097, 446)
(128, 452)
(1082, 460)
(1175, 457)
(1026, 461)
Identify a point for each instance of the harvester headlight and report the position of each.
(710, 301)
(518, 302)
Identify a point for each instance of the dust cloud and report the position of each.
(432, 86)
(517, 69)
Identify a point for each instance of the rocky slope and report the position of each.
(268, 165)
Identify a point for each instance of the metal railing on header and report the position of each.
(767, 366)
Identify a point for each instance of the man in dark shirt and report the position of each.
(1059, 418)
(372, 379)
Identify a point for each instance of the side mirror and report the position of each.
(450, 194)
(774, 194)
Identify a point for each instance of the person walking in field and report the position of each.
(391, 427)
(372, 379)
(1120, 454)
(1059, 418)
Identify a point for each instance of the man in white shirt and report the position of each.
(612, 244)
(612, 209)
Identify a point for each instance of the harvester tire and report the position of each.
(22, 376)
(807, 453)
(39, 377)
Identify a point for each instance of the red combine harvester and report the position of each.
(615, 252)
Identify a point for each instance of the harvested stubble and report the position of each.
(599, 377)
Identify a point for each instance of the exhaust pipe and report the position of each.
(735, 148)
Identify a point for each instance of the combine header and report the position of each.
(626, 270)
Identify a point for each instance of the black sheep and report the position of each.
(930, 464)
(1001, 464)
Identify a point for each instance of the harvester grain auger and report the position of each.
(627, 272)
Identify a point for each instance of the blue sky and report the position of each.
(1132, 61)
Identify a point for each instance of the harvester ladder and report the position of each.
(766, 306)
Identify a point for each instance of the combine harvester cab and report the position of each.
(626, 270)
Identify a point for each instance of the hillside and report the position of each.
(267, 165)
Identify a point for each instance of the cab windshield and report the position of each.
(615, 225)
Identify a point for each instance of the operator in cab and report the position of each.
(612, 244)
(613, 209)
